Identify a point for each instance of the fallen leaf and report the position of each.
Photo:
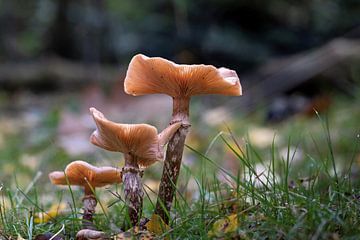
(134, 233)
(224, 226)
(157, 226)
(55, 210)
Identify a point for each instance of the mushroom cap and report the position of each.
(81, 173)
(157, 75)
(140, 140)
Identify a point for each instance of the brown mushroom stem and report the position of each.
(89, 205)
(133, 188)
(180, 110)
(173, 158)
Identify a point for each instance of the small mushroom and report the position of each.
(141, 145)
(157, 75)
(88, 234)
(80, 173)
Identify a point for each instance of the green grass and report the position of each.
(274, 195)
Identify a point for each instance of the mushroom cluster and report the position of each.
(180, 81)
(141, 144)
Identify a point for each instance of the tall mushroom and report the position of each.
(141, 145)
(157, 75)
(80, 173)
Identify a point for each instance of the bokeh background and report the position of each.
(60, 57)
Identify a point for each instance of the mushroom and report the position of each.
(80, 173)
(141, 145)
(88, 234)
(157, 75)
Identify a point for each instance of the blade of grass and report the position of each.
(29, 187)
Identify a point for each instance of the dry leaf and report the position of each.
(134, 233)
(156, 225)
(54, 211)
(224, 226)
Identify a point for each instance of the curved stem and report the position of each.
(173, 158)
(133, 188)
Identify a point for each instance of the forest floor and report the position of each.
(241, 178)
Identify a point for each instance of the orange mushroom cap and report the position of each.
(81, 173)
(157, 75)
(142, 141)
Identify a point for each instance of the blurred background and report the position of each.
(60, 57)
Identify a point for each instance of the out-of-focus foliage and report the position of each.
(232, 33)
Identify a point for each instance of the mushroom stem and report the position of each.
(133, 188)
(173, 158)
(89, 203)
(180, 110)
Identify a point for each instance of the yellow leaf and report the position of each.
(157, 225)
(224, 226)
(134, 233)
(54, 211)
